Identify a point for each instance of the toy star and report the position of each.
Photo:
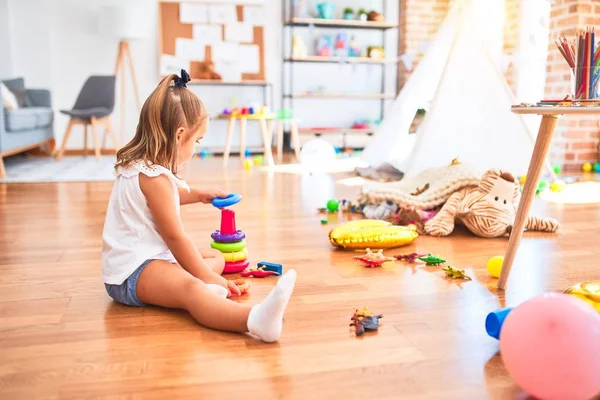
(456, 273)
(373, 259)
(412, 257)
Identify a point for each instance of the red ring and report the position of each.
(235, 266)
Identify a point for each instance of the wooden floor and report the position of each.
(61, 336)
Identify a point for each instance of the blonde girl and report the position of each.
(147, 258)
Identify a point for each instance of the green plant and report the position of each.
(420, 112)
(348, 10)
(362, 11)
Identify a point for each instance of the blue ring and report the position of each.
(231, 199)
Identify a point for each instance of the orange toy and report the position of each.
(241, 284)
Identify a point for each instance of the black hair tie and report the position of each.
(185, 78)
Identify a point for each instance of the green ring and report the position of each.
(229, 247)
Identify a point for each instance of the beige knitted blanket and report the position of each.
(427, 190)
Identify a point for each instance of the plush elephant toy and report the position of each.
(487, 210)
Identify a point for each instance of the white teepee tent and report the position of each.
(469, 113)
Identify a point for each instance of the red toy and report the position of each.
(373, 259)
(412, 257)
(257, 272)
(241, 284)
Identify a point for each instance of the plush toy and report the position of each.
(487, 210)
(205, 70)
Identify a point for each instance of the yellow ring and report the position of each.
(236, 256)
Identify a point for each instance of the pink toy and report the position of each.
(551, 347)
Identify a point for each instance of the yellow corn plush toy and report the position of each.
(371, 233)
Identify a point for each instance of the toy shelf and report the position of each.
(350, 60)
(340, 23)
(366, 96)
(312, 131)
(227, 83)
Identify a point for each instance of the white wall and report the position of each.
(5, 45)
(55, 45)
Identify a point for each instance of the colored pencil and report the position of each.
(579, 71)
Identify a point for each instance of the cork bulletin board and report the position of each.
(221, 41)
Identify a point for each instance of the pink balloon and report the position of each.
(551, 347)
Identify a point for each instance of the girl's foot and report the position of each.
(266, 319)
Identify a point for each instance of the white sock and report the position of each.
(217, 289)
(266, 319)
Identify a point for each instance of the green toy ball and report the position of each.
(557, 168)
(597, 167)
(333, 205)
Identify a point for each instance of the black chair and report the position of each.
(94, 105)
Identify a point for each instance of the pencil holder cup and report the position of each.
(584, 84)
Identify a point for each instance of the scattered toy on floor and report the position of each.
(456, 273)
(367, 233)
(380, 211)
(269, 266)
(558, 186)
(248, 164)
(242, 285)
(363, 320)
(586, 291)
(494, 266)
(557, 168)
(333, 205)
(411, 257)
(324, 222)
(257, 272)
(373, 259)
(228, 239)
(430, 259)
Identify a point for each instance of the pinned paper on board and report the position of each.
(254, 15)
(249, 58)
(172, 65)
(190, 13)
(239, 32)
(229, 70)
(225, 51)
(222, 13)
(208, 34)
(189, 49)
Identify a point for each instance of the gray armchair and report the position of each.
(26, 127)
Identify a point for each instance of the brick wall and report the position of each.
(576, 138)
(419, 21)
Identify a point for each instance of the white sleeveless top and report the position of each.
(130, 236)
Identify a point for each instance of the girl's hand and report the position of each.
(207, 195)
(232, 288)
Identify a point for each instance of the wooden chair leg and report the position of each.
(65, 139)
(279, 140)
(295, 139)
(85, 139)
(2, 170)
(94, 123)
(243, 125)
(111, 132)
(230, 129)
(268, 153)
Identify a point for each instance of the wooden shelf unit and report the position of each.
(366, 96)
(349, 60)
(340, 23)
(290, 23)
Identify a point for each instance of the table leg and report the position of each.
(230, 129)
(540, 151)
(243, 139)
(267, 143)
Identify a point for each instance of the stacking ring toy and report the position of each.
(237, 266)
(229, 247)
(217, 236)
(231, 199)
(236, 256)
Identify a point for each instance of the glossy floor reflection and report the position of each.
(62, 337)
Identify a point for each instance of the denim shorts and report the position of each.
(125, 293)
